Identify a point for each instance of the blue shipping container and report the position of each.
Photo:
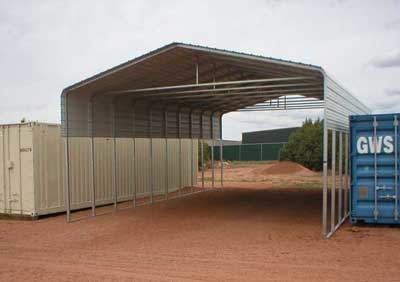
(374, 168)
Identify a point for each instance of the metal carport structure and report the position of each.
(181, 91)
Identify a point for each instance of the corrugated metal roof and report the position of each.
(184, 45)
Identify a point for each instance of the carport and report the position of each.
(178, 94)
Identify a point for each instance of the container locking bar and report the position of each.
(376, 212)
(388, 197)
(383, 188)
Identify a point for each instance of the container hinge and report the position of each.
(395, 122)
(376, 213)
(375, 123)
(396, 215)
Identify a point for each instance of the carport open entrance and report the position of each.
(160, 105)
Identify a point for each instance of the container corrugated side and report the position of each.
(374, 177)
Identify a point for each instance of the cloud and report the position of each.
(393, 93)
(388, 60)
(393, 24)
(390, 103)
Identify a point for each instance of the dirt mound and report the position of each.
(285, 167)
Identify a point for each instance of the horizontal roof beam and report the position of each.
(208, 84)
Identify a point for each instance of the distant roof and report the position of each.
(279, 135)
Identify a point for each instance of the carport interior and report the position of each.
(180, 92)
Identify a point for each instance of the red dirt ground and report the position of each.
(248, 232)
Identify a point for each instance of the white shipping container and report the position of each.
(32, 168)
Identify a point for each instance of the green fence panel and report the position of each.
(270, 152)
(249, 152)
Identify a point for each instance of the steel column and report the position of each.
(151, 156)
(202, 163)
(166, 153)
(347, 178)
(114, 159)
(180, 152)
(396, 173)
(66, 151)
(212, 152)
(340, 194)
(222, 162)
(92, 154)
(333, 188)
(202, 150)
(191, 151)
(325, 182)
(134, 154)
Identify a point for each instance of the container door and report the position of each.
(375, 170)
(3, 196)
(15, 169)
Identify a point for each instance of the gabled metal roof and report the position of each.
(204, 78)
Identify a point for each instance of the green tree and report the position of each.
(206, 153)
(305, 145)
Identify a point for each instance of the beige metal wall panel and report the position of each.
(159, 167)
(48, 167)
(79, 171)
(103, 169)
(142, 164)
(173, 164)
(125, 168)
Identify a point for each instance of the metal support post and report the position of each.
(333, 189)
(212, 152)
(261, 152)
(347, 178)
(202, 150)
(92, 154)
(134, 154)
(166, 153)
(375, 124)
(396, 173)
(202, 163)
(180, 153)
(325, 183)
(66, 151)
(68, 190)
(191, 152)
(222, 161)
(340, 195)
(114, 159)
(151, 157)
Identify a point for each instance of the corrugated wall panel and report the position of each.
(79, 171)
(48, 167)
(125, 168)
(173, 164)
(103, 159)
(339, 105)
(159, 168)
(142, 164)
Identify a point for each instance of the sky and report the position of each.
(48, 45)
